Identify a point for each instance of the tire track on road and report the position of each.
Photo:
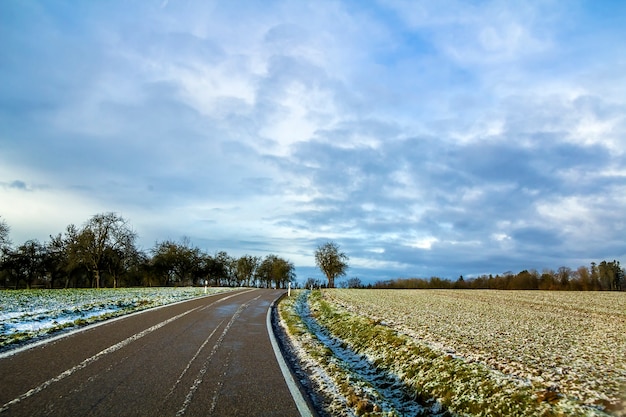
(93, 359)
(107, 351)
(205, 366)
(191, 361)
(209, 357)
(206, 341)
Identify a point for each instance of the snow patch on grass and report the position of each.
(29, 314)
(566, 344)
(371, 365)
(348, 383)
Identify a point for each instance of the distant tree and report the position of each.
(25, 263)
(275, 270)
(606, 275)
(478, 282)
(460, 282)
(610, 275)
(245, 269)
(439, 283)
(264, 273)
(583, 278)
(119, 262)
(504, 282)
(214, 270)
(55, 260)
(525, 281)
(102, 234)
(5, 244)
(312, 283)
(547, 281)
(564, 274)
(68, 252)
(284, 273)
(618, 275)
(138, 271)
(8, 269)
(595, 280)
(176, 263)
(228, 265)
(331, 261)
(354, 282)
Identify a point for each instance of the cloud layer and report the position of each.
(439, 138)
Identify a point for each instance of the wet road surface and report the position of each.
(210, 356)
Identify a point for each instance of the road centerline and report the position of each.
(200, 376)
(92, 359)
(191, 361)
(209, 357)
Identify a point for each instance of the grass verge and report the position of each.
(441, 382)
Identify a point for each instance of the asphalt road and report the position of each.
(210, 356)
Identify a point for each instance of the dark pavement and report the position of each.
(205, 357)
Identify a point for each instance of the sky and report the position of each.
(424, 137)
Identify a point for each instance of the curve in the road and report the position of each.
(301, 403)
(211, 356)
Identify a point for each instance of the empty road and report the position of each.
(209, 356)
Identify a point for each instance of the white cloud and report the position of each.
(423, 243)
(586, 218)
(368, 263)
(477, 34)
(376, 250)
(500, 237)
(39, 213)
(442, 137)
(301, 111)
(590, 130)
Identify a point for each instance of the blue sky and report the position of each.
(424, 137)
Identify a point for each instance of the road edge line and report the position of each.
(69, 332)
(92, 359)
(296, 394)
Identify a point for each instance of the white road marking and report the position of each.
(106, 322)
(92, 359)
(220, 384)
(192, 360)
(301, 403)
(196, 383)
(226, 298)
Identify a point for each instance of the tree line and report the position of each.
(603, 276)
(104, 253)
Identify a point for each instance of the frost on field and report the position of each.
(26, 314)
(341, 382)
(569, 344)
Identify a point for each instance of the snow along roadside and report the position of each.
(343, 382)
(301, 403)
(443, 384)
(42, 340)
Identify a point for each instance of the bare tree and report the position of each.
(331, 261)
(276, 270)
(176, 263)
(103, 233)
(29, 262)
(245, 269)
(354, 282)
